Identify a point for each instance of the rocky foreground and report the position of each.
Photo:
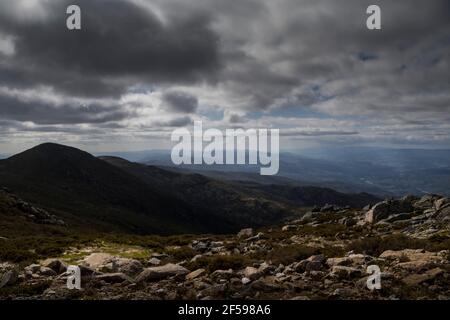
(321, 254)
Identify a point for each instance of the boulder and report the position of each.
(154, 261)
(265, 268)
(47, 272)
(441, 203)
(442, 207)
(416, 279)
(397, 217)
(159, 255)
(426, 202)
(162, 272)
(113, 277)
(289, 227)
(195, 274)
(127, 266)
(98, 260)
(55, 264)
(108, 263)
(346, 273)
(32, 268)
(251, 273)
(245, 233)
(412, 255)
(340, 261)
(9, 278)
(222, 274)
(384, 209)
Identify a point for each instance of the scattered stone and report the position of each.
(251, 273)
(107, 263)
(55, 264)
(158, 273)
(113, 277)
(289, 227)
(416, 279)
(9, 278)
(384, 209)
(195, 274)
(159, 255)
(44, 271)
(222, 274)
(97, 260)
(347, 273)
(32, 268)
(245, 233)
(154, 261)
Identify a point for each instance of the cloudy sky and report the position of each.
(138, 69)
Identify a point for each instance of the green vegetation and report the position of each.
(377, 245)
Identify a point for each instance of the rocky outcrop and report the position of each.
(105, 262)
(383, 210)
(31, 212)
(321, 255)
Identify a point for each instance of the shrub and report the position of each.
(377, 245)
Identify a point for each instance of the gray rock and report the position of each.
(222, 274)
(113, 277)
(9, 278)
(384, 209)
(32, 268)
(289, 228)
(245, 280)
(343, 272)
(159, 255)
(154, 261)
(251, 273)
(162, 272)
(55, 264)
(44, 271)
(245, 233)
(195, 274)
(397, 217)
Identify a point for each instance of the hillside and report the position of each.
(87, 191)
(323, 255)
(110, 194)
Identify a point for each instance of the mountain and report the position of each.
(200, 190)
(89, 191)
(383, 172)
(237, 205)
(113, 194)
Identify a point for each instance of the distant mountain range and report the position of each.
(381, 171)
(113, 194)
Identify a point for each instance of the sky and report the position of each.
(139, 69)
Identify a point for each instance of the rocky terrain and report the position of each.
(320, 254)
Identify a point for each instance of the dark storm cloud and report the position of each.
(237, 57)
(43, 113)
(293, 45)
(180, 102)
(119, 44)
